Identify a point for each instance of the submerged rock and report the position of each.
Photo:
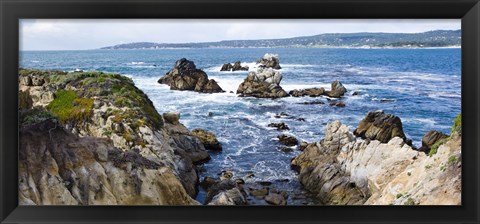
(208, 139)
(337, 104)
(380, 126)
(263, 83)
(279, 126)
(185, 76)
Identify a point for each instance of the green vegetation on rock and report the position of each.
(68, 107)
(456, 129)
(457, 125)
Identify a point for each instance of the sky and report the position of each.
(77, 34)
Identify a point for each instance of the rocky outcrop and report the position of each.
(208, 139)
(380, 126)
(269, 61)
(226, 192)
(337, 91)
(429, 139)
(263, 83)
(185, 76)
(109, 106)
(59, 168)
(312, 92)
(344, 170)
(237, 66)
(287, 140)
(320, 173)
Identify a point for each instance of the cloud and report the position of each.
(70, 34)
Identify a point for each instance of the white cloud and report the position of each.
(62, 34)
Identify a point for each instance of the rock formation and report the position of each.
(269, 61)
(185, 76)
(429, 139)
(140, 150)
(287, 140)
(380, 126)
(312, 92)
(208, 139)
(279, 126)
(263, 83)
(344, 170)
(337, 91)
(237, 66)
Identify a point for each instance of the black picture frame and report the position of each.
(13, 10)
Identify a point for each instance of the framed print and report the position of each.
(239, 112)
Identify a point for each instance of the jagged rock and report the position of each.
(380, 126)
(75, 171)
(208, 139)
(207, 182)
(185, 76)
(312, 92)
(275, 199)
(343, 170)
(337, 90)
(225, 192)
(269, 61)
(303, 146)
(429, 139)
(226, 67)
(287, 140)
(237, 66)
(279, 126)
(172, 117)
(263, 83)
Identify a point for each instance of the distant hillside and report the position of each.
(437, 38)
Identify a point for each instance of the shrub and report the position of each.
(434, 148)
(457, 125)
(35, 115)
(68, 107)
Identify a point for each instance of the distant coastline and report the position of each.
(430, 39)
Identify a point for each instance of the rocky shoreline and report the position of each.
(94, 138)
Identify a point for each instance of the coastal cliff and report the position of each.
(344, 170)
(95, 138)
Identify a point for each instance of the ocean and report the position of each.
(421, 86)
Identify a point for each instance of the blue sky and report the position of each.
(62, 34)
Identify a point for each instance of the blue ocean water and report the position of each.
(421, 86)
